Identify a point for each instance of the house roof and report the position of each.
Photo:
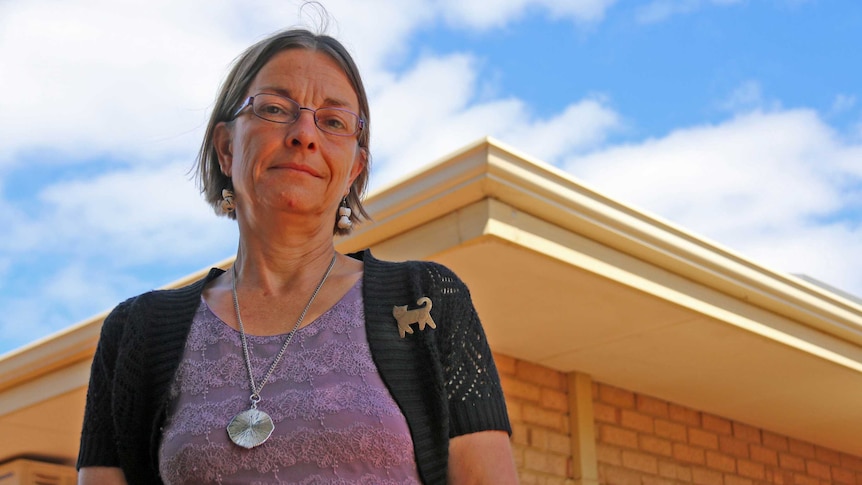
(568, 278)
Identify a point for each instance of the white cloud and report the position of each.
(481, 14)
(770, 185)
(843, 103)
(134, 214)
(660, 10)
(117, 77)
(435, 108)
(746, 97)
(84, 245)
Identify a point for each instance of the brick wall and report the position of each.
(642, 440)
(647, 441)
(538, 409)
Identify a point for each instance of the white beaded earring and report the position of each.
(344, 212)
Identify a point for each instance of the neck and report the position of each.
(275, 257)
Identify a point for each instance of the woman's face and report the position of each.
(295, 168)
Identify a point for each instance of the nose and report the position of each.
(303, 132)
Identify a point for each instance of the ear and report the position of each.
(222, 141)
(359, 163)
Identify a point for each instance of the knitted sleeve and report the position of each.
(473, 390)
(98, 437)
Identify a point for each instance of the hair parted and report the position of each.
(232, 93)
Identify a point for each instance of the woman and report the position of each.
(299, 364)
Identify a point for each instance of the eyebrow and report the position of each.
(328, 102)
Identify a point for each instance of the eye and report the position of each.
(336, 121)
(275, 108)
(272, 109)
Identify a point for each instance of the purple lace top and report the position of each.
(335, 421)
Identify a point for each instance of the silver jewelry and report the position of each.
(344, 212)
(227, 203)
(253, 427)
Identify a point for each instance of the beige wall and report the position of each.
(641, 440)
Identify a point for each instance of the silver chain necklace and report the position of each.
(253, 427)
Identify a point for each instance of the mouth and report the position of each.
(296, 167)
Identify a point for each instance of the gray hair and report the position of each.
(210, 178)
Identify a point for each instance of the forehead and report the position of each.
(308, 74)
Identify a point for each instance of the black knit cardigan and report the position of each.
(444, 379)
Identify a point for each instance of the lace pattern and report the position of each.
(335, 420)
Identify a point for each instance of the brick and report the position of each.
(683, 473)
(543, 417)
(791, 462)
(840, 475)
(720, 462)
(782, 477)
(827, 455)
(540, 375)
(504, 363)
(750, 469)
(684, 415)
(618, 436)
(818, 469)
(746, 432)
(704, 439)
(704, 476)
(554, 400)
(769, 474)
(559, 443)
(652, 406)
(637, 421)
(667, 469)
(735, 480)
(620, 476)
(519, 389)
(538, 438)
(674, 431)
(520, 434)
(515, 410)
(608, 454)
(763, 455)
(606, 414)
(648, 480)
(616, 397)
(527, 478)
(801, 448)
(602, 472)
(535, 460)
(558, 465)
(641, 462)
(851, 462)
(656, 446)
(774, 441)
(715, 424)
(688, 454)
(733, 446)
(518, 455)
(799, 479)
(545, 462)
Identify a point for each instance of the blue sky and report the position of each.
(738, 120)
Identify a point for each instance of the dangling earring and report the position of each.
(227, 205)
(344, 212)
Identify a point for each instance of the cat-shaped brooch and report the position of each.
(406, 317)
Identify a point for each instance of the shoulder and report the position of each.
(427, 272)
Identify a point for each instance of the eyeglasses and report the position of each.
(281, 109)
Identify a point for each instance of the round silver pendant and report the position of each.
(250, 428)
